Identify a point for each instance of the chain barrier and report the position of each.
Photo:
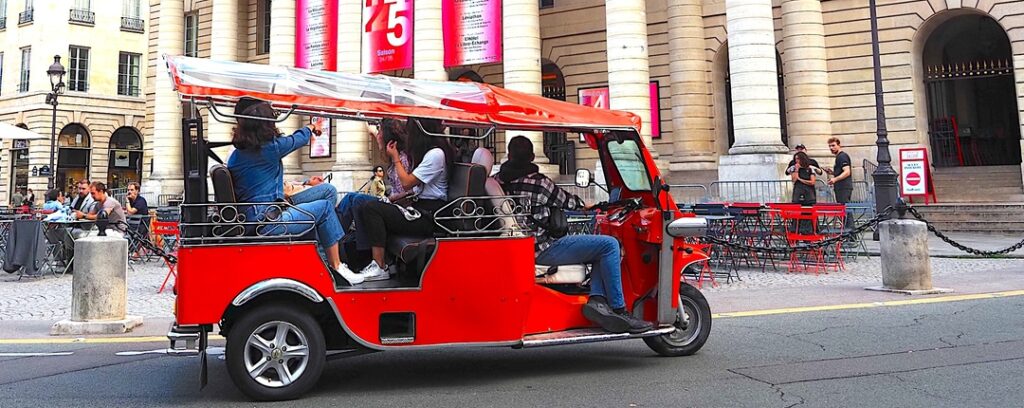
(146, 243)
(882, 216)
(980, 252)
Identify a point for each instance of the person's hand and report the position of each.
(831, 182)
(79, 215)
(315, 180)
(314, 126)
(828, 170)
(392, 150)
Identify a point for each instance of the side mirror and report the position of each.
(583, 178)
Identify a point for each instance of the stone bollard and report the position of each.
(906, 263)
(99, 291)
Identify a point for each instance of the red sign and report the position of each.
(472, 31)
(595, 98)
(913, 178)
(600, 98)
(316, 34)
(915, 174)
(655, 95)
(387, 35)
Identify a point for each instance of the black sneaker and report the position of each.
(635, 325)
(600, 313)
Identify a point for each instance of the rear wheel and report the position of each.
(275, 352)
(693, 325)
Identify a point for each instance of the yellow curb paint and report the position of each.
(919, 301)
(751, 313)
(94, 340)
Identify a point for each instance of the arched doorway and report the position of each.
(972, 106)
(74, 147)
(125, 162)
(557, 148)
(19, 166)
(722, 62)
(466, 147)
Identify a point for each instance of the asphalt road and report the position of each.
(966, 353)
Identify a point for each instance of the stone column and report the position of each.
(805, 61)
(282, 52)
(223, 47)
(428, 41)
(692, 127)
(628, 67)
(353, 161)
(522, 66)
(758, 153)
(167, 113)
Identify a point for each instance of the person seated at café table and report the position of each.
(105, 203)
(606, 306)
(135, 203)
(258, 173)
(54, 202)
(82, 202)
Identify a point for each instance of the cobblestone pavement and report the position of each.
(862, 271)
(49, 298)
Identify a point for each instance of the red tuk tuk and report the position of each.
(283, 313)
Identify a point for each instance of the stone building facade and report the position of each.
(101, 114)
(740, 82)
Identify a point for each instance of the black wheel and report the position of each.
(275, 352)
(693, 325)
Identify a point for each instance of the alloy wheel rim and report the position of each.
(276, 354)
(688, 324)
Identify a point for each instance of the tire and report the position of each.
(691, 332)
(267, 322)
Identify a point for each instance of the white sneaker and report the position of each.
(374, 272)
(347, 274)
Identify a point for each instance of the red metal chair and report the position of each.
(801, 227)
(831, 224)
(169, 236)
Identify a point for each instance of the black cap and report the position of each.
(244, 103)
(800, 146)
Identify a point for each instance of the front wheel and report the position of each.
(275, 353)
(693, 325)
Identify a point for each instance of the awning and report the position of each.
(378, 96)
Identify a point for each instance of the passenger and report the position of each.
(258, 175)
(390, 131)
(376, 220)
(606, 306)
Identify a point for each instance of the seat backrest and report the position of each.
(223, 185)
(467, 180)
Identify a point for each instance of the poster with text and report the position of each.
(655, 110)
(316, 34)
(472, 31)
(595, 98)
(321, 145)
(387, 35)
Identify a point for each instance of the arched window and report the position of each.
(125, 161)
(557, 147)
(972, 106)
(74, 148)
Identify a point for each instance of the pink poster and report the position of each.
(387, 35)
(472, 31)
(595, 98)
(316, 34)
(655, 110)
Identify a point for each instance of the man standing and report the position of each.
(17, 198)
(791, 167)
(841, 182)
(135, 204)
(109, 206)
(83, 201)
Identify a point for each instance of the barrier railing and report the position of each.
(591, 194)
(688, 193)
(764, 191)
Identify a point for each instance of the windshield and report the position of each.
(628, 160)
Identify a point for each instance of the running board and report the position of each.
(580, 336)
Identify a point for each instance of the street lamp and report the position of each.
(886, 192)
(56, 73)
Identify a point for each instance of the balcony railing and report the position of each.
(133, 25)
(81, 16)
(25, 17)
(127, 90)
(23, 86)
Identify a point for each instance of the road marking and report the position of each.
(64, 353)
(849, 306)
(751, 313)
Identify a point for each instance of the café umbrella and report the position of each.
(17, 133)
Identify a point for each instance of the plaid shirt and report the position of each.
(543, 194)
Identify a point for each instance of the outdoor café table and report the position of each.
(64, 234)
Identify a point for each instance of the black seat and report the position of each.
(467, 180)
(224, 193)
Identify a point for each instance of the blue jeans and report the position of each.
(320, 212)
(602, 252)
(322, 191)
(348, 205)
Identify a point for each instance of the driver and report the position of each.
(606, 306)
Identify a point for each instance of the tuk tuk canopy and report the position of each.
(365, 96)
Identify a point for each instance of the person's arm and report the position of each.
(812, 181)
(128, 206)
(795, 176)
(285, 145)
(404, 176)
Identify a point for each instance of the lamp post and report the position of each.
(56, 73)
(886, 192)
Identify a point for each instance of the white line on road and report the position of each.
(63, 353)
